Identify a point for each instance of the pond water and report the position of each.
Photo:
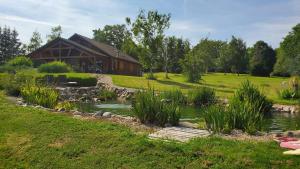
(278, 122)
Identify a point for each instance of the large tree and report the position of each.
(193, 67)
(288, 54)
(35, 42)
(209, 51)
(148, 29)
(55, 33)
(115, 35)
(10, 45)
(262, 59)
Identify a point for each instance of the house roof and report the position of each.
(107, 49)
(69, 42)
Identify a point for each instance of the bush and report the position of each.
(151, 108)
(106, 95)
(249, 93)
(65, 105)
(20, 62)
(175, 96)
(216, 118)
(55, 67)
(245, 115)
(14, 82)
(202, 96)
(44, 96)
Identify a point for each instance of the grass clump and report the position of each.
(175, 96)
(55, 67)
(202, 96)
(250, 93)
(43, 96)
(152, 108)
(106, 95)
(216, 118)
(292, 91)
(12, 83)
(66, 106)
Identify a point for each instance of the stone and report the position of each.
(107, 114)
(77, 113)
(98, 114)
(61, 109)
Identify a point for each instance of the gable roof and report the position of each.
(68, 42)
(107, 49)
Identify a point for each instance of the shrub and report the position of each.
(249, 93)
(14, 82)
(151, 108)
(65, 105)
(44, 96)
(175, 96)
(215, 118)
(20, 62)
(107, 95)
(202, 96)
(55, 67)
(245, 115)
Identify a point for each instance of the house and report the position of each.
(87, 55)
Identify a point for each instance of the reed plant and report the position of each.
(216, 118)
(202, 96)
(43, 96)
(175, 96)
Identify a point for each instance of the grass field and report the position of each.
(32, 138)
(225, 85)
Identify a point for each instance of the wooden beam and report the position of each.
(64, 57)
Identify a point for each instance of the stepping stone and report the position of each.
(182, 134)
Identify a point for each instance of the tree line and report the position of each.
(144, 38)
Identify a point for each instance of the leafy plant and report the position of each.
(292, 91)
(245, 115)
(247, 92)
(202, 96)
(14, 82)
(216, 118)
(55, 67)
(66, 105)
(152, 108)
(175, 96)
(107, 95)
(44, 96)
(20, 61)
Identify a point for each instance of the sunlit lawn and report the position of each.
(224, 84)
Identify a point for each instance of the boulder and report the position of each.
(98, 114)
(107, 114)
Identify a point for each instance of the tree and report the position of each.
(148, 30)
(193, 67)
(209, 51)
(35, 42)
(288, 52)
(10, 44)
(165, 55)
(114, 35)
(237, 52)
(131, 48)
(55, 33)
(262, 59)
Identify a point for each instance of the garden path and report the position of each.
(182, 134)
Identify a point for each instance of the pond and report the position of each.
(278, 122)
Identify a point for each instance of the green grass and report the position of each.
(32, 138)
(225, 85)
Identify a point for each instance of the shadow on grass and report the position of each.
(172, 83)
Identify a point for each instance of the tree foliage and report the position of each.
(35, 42)
(114, 35)
(193, 67)
(262, 59)
(55, 33)
(148, 29)
(10, 45)
(288, 54)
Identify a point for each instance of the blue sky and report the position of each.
(252, 20)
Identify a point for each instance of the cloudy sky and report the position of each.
(252, 20)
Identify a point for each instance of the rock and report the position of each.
(107, 114)
(98, 114)
(61, 109)
(77, 113)
(24, 105)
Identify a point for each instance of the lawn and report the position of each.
(33, 138)
(224, 84)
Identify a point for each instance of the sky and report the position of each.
(251, 20)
